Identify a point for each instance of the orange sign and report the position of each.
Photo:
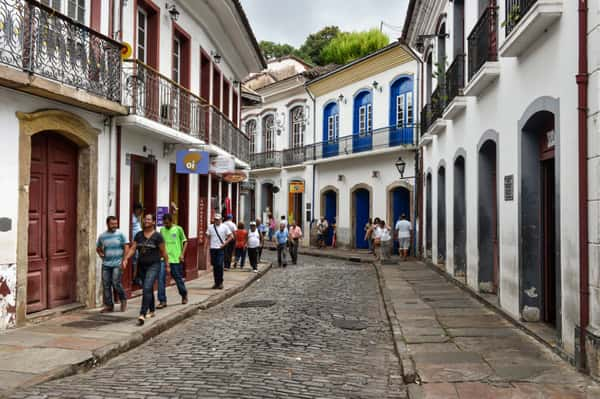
(126, 50)
(235, 177)
(297, 187)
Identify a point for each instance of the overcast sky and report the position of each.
(287, 21)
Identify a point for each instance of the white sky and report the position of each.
(287, 21)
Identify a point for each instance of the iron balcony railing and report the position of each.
(434, 110)
(515, 11)
(294, 156)
(37, 39)
(483, 41)
(455, 78)
(268, 159)
(153, 96)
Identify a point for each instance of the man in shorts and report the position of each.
(403, 232)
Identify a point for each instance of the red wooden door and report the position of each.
(52, 219)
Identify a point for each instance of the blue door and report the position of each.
(330, 213)
(331, 126)
(400, 205)
(362, 139)
(401, 112)
(361, 206)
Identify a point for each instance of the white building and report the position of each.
(86, 134)
(499, 147)
(330, 144)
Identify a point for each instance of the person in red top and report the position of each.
(295, 236)
(241, 243)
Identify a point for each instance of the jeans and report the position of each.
(177, 274)
(111, 279)
(281, 258)
(228, 254)
(216, 260)
(253, 257)
(294, 249)
(149, 274)
(240, 256)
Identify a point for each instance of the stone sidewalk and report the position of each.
(452, 346)
(83, 339)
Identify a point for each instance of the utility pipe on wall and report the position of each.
(582, 108)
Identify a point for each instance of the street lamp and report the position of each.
(401, 165)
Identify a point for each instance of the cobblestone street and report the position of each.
(325, 336)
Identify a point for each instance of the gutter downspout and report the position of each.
(314, 166)
(420, 151)
(582, 109)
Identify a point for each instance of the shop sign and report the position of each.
(222, 164)
(235, 177)
(161, 211)
(192, 162)
(296, 187)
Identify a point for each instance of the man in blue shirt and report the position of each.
(111, 246)
(281, 238)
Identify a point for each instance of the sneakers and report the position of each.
(140, 320)
(161, 305)
(108, 309)
(184, 300)
(123, 305)
(151, 315)
(220, 287)
(255, 270)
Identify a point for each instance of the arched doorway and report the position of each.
(441, 216)
(428, 217)
(295, 202)
(51, 275)
(330, 212)
(460, 219)
(399, 200)
(540, 217)
(487, 237)
(361, 199)
(266, 206)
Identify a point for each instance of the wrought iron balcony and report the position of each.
(269, 159)
(154, 96)
(483, 41)
(434, 110)
(294, 156)
(515, 11)
(455, 78)
(37, 39)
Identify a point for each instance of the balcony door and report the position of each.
(331, 127)
(362, 139)
(401, 112)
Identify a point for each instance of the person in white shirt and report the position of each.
(403, 232)
(254, 243)
(220, 236)
(230, 248)
(383, 232)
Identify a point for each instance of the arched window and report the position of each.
(331, 122)
(363, 113)
(268, 132)
(251, 132)
(297, 127)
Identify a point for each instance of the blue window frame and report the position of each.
(401, 111)
(331, 129)
(362, 139)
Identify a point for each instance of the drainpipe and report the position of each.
(420, 169)
(314, 114)
(582, 108)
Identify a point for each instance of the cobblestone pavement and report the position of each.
(300, 347)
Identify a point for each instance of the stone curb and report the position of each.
(107, 352)
(325, 254)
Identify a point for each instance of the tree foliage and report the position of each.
(316, 42)
(349, 46)
(275, 50)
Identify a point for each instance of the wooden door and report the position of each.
(51, 273)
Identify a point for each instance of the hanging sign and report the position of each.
(297, 187)
(192, 162)
(235, 177)
(222, 164)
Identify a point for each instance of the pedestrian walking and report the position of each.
(241, 243)
(136, 227)
(230, 248)
(220, 236)
(386, 243)
(150, 247)
(271, 227)
(262, 230)
(176, 245)
(403, 232)
(368, 229)
(255, 241)
(295, 234)
(111, 246)
(322, 229)
(284, 221)
(281, 237)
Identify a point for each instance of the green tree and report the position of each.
(348, 46)
(276, 50)
(315, 43)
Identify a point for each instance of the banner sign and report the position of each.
(222, 164)
(161, 211)
(192, 162)
(296, 187)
